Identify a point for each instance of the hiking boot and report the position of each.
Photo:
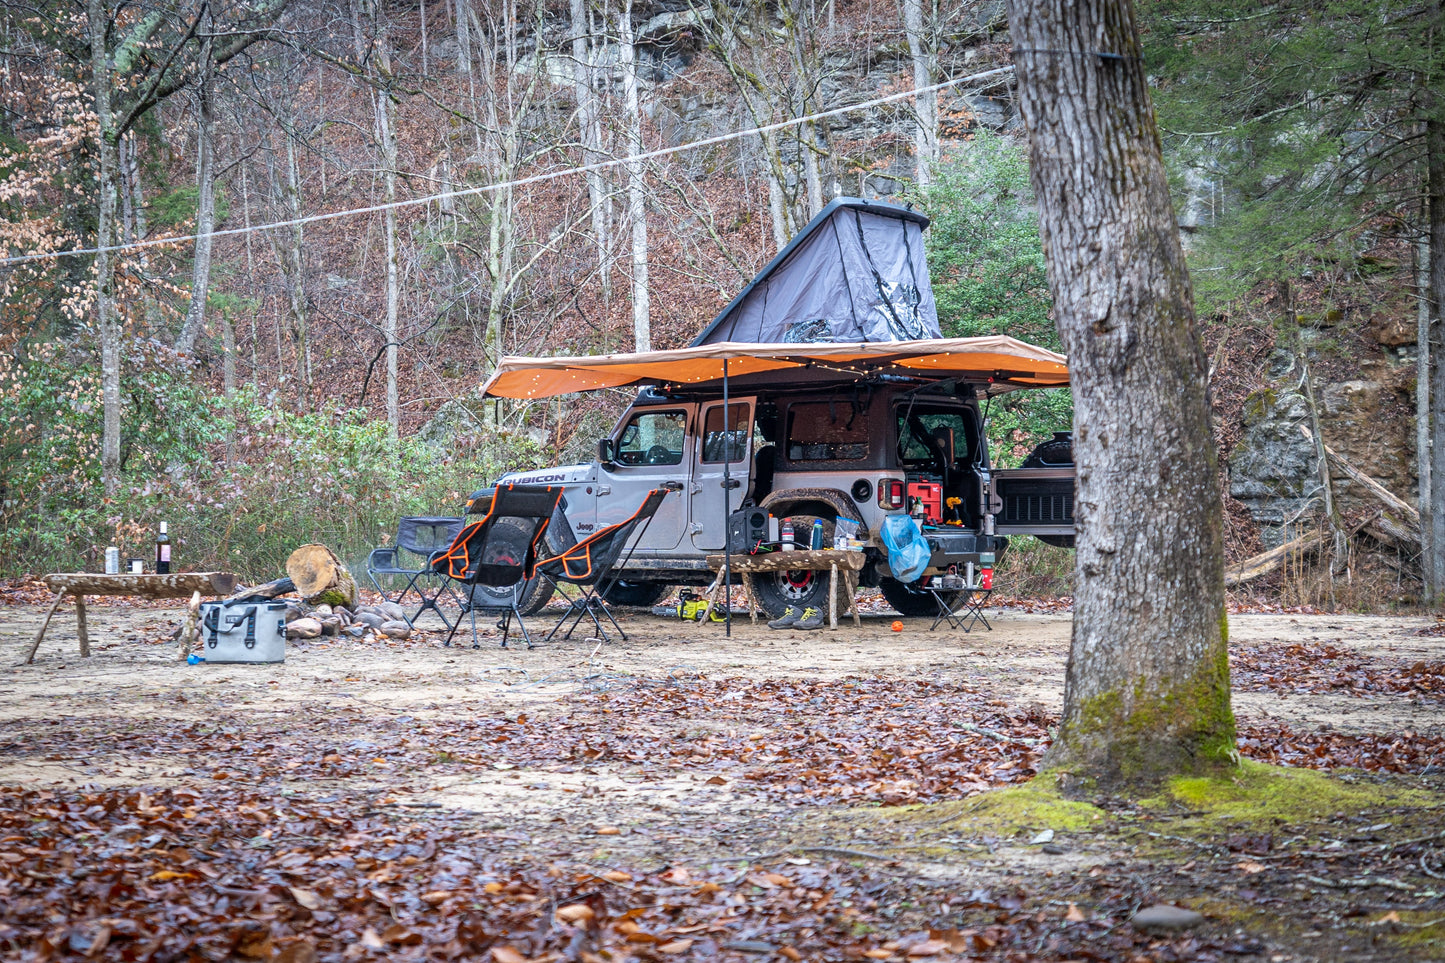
(810, 619)
(786, 620)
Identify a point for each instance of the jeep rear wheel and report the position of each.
(912, 600)
(532, 598)
(802, 588)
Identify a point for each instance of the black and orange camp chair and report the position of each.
(596, 563)
(499, 552)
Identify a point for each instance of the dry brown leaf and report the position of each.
(608, 831)
(675, 947)
(616, 876)
(1250, 867)
(370, 940)
(928, 948)
(575, 913)
(1074, 915)
(305, 897)
(505, 954)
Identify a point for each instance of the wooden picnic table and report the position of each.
(829, 560)
(176, 585)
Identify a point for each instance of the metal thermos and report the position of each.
(112, 561)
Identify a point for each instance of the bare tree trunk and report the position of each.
(105, 312)
(1147, 688)
(290, 257)
(588, 125)
(205, 207)
(636, 189)
(925, 105)
(228, 381)
(393, 293)
(1429, 567)
(1435, 151)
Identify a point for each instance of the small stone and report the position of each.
(355, 631)
(392, 611)
(304, 628)
(330, 626)
(372, 619)
(322, 611)
(1047, 836)
(1162, 916)
(397, 629)
(1053, 849)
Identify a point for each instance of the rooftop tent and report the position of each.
(856, 273)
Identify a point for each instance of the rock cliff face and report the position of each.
(1365, 406)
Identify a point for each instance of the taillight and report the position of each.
(890, 493)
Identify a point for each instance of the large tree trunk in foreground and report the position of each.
(1147, 692)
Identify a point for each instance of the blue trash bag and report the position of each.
(908, 551)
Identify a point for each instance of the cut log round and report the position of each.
(321, 577)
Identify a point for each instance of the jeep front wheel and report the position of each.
(638, 593)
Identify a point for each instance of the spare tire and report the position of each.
(1056, 453)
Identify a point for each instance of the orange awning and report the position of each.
(1002, 363)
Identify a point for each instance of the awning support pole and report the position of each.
(727, 586)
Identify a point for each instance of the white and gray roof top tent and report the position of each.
(855, 273)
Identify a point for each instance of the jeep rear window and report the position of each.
(827, 431)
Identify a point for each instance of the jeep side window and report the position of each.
(736, 437)
(653, 438)
(827, 431)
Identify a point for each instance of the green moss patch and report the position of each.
(1030, 808)
(1272, 795)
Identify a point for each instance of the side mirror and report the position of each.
(605, 452)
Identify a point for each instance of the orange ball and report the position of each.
(898, 626)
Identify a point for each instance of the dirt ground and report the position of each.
(664, 750)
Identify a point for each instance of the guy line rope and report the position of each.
(520, 182)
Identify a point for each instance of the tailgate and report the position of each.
(1033, 501)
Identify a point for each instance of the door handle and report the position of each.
(672, 486)
(732, 483)
(604, 489)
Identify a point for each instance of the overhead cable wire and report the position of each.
(519, 182)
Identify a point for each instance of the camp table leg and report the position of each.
(752, 599)
(80, 626)
(833, 597)
(852, 580)
(43, 626)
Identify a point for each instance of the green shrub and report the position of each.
(332, 477)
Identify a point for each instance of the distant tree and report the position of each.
(987, 269)
(1147, 687)
(1304, 121)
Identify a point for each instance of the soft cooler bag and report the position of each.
(244, 632)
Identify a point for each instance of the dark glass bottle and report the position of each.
(163, 552)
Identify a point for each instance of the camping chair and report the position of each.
(499, 552)
(417, 538)
(595, 563)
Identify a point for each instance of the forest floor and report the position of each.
(845, 794)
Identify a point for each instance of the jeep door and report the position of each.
(724, 439)
(652, 448)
